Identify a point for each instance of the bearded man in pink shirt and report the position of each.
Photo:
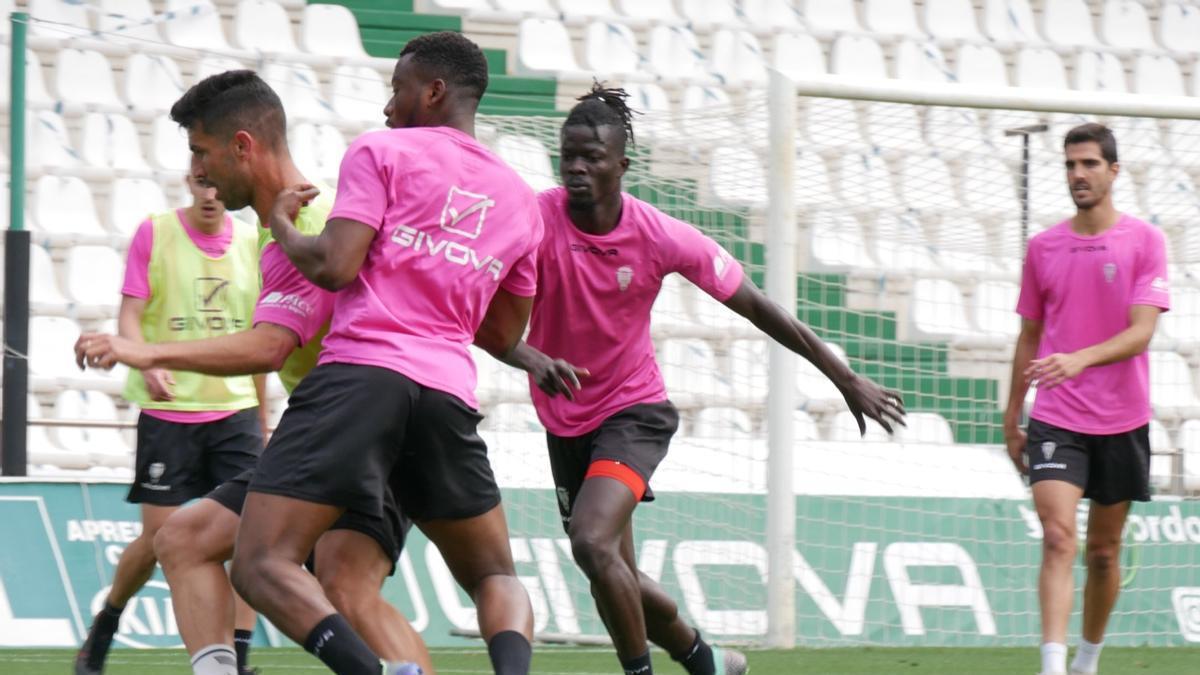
(600, 268)
(431, 245)
(1092, 289)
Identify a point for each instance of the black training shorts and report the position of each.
(1110, 468)
(179, 462)
(351, 432)
(637, 437)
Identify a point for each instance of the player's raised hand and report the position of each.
(287, 206)
(100, 350)
(556, 376)
(867, 399)
(1055, 369)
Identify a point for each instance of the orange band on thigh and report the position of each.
(609, 468)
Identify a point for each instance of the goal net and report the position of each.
(910, 228)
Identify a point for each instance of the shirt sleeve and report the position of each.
(137, 262)
(1029, 302)
(290, 300)
(1150, 285)
(362, 191)
(699, 259)
(521, 280)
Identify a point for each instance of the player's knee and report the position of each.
(1103, 557)
(1058, 540)
(593, 552)
(247, 574)
(171, 544)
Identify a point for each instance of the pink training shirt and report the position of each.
(594, 299)
(288, 299)
(455, 224)
(137, 285)
(1081, 288)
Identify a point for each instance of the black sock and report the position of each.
(510, 653)
(241, 644)
(108, 619)
(100, 637)
(699, 658)
(639, 665)
(339, 647)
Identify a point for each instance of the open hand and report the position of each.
(556, 376)
(100, 350)
(867, 399)
(1053, 370)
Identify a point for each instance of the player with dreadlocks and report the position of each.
(600, 268)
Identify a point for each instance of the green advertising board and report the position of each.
(885, 571)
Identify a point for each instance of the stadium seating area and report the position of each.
(911, 250)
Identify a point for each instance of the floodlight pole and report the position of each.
(1024, 133)
(13, 453)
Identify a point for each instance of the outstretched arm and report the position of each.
(864, 397)
(262, 349)
(500, 335)
(330, 259)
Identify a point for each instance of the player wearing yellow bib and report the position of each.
(191, 274)
(237, 117)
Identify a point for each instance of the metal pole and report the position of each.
(1024, 133)
(13, 453)
(781, 382)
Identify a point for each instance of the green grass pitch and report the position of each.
(564, 661)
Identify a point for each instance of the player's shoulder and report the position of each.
(1048, 236)
(1142, 228)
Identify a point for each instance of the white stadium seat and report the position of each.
(111, 140)
(544, 47)
(955, 131)
(832, 124)
(103, 446)
(36, 94)
(651, 10)
(576, 11)
(1160, 439)
(799, 56)
(1040, 68)
(895, 127)
(857, 57)
(737, 177)
(611, 48)
(152, 82)
(1172, 391)
(1010, 22)
(85, 77)
(675, 54)
(1068, 23)
(900, 244)
(47, 142)
(1178, 26)
(44, 296)
(922, 62)
(132, 19)
(1171, 197)
(133, 200)
(811, 187)
(1100, 72)
(952, 20)
(707, 15)
(963, 247)
(830, 16)
(981, 66)
(65, 212)
(866, 184)
(318, 148)
(194, 24)
(211, 65)
(41, 449)
(892, 17)
(771, 14)
(60, 20)
(529, 158)
(657, 122)
(706, 115)
(838, 242)
(737, 58)
(926, 185)
(1141, 141)
(1183, 139)
(924, 427)
(1157, 76)
(263, 26)
(938, 309)
(94, 275)
(994, 308)
(1189, 434)
(689, 367)
(1183, 321)
(672, 310)
(845, 430)
(748, 369)
(51, 341)
(804, 427)
(1125, 24)
(331, 30)
(359, 93)
(169, 148)
(988, 187)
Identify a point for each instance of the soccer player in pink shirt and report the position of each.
(431, 246)
(236, 127)
(1092, 289)
(600, 268)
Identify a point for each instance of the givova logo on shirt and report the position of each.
(463, 215)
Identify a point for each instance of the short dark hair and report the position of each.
(1098, 133)
(604, 106)
(451, 57)
(235, 99)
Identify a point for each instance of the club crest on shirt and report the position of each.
(1048, 450)
(624, 276)
(1110, 272)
